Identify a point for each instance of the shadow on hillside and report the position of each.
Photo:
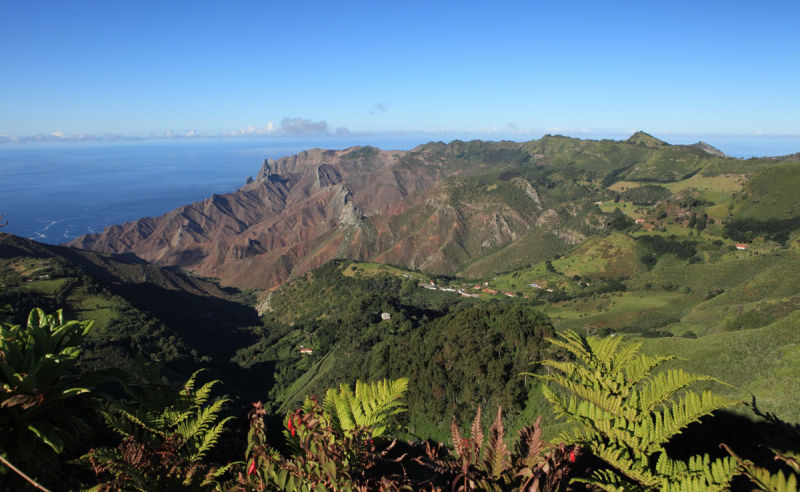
(749, 435)
(211, 325)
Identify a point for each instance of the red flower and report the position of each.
(572, 456)
(251, 468)
(290, 425)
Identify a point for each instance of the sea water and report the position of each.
(54, 193)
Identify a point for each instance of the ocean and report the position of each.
(56, 192)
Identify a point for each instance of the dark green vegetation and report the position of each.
(632, 426)
(456, 352)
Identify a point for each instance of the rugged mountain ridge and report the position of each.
(439, 207)
(277, 218)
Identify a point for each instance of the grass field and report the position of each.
(638, 310)
(610, 256)
(374, 269)
(629, 209)
(103, 311)
(715, 189)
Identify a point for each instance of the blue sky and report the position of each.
(141, 68)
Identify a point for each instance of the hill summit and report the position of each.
(645, 139)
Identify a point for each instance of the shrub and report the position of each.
(44, 403)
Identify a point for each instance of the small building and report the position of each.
(386, 316)
(510, 294)
(489, 291)
(640, 221)
(306, 351)
(742, 246)
(535, 285)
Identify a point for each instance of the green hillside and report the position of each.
(138, 309)
(771, 194)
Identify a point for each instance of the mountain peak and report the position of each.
(709, 149)
(645, 139)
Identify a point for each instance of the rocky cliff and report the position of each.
(439, 207)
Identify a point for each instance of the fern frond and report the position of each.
(458, 441)
(497, 457)
(207, 416)
(210, 439)
(763, 478)
(370, 406)
(640, 368)
(772, 482)
(607, 480)
(575, 344)
(201, 396)
(476, 431)
(605, 350)
(126, 423)
(635, 469)
(188, 386)
(660, 388)
(689, 408)
(626, 355)
(530, 443)
(627, 412)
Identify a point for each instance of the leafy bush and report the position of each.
(333, 443)
(44, 403)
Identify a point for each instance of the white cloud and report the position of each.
(302, 126)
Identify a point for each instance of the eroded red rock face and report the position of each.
(300, 212)
(303, 210)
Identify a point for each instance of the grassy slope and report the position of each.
(764, 362)
(772, 194)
